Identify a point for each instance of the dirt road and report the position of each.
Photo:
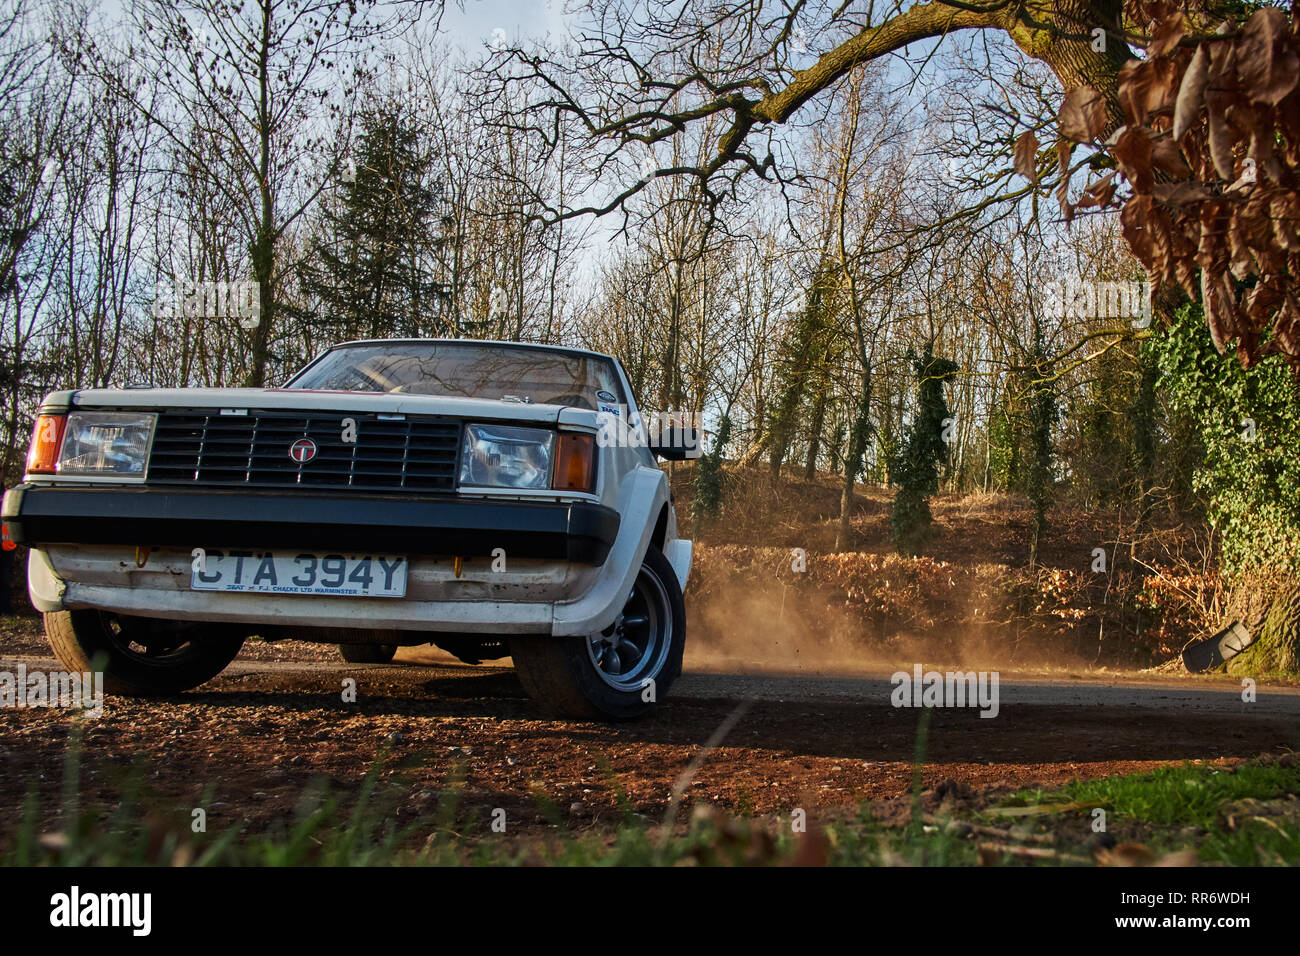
(257, 734)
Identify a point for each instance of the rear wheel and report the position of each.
(138, 655)
(368, 653)
(618, 673)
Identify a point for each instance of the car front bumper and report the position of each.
(579, 532)
(128, 550)
(569, 566)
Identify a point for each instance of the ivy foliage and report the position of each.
(706, 502)
(916, 467)
(1249, 422)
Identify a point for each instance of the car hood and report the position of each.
(325, 401)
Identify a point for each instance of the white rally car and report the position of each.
(490, 498)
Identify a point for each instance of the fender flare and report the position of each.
(642, 494)
(44, 586)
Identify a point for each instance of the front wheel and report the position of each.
(618, 673)
(141, 656)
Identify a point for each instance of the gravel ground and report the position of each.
(276, 719)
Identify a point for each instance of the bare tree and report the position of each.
(261, 79)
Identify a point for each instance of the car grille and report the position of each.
(200, 448)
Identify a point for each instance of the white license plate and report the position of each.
(269, 572)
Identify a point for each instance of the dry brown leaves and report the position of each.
(1210, 148)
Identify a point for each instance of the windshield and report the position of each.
(470, 370)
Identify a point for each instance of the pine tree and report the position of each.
(371, 273)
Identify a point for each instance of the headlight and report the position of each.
(503, 456)
(111, 444)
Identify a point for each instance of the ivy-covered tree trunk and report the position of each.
(917, 467)
(858, 434)
(800, 359)
(263, 256)
(1248, 421)
(707, 500)
(783, 419)
(1272, 615)
(1042, 415)
(815, 435)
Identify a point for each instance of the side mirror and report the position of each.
(677, 442)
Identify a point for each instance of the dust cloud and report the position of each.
(742, 625)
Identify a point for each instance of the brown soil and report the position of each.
(254, 738)
(258, 734)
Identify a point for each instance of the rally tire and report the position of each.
(569, 677)
(139, 656)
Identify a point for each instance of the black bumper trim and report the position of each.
(471, 527)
